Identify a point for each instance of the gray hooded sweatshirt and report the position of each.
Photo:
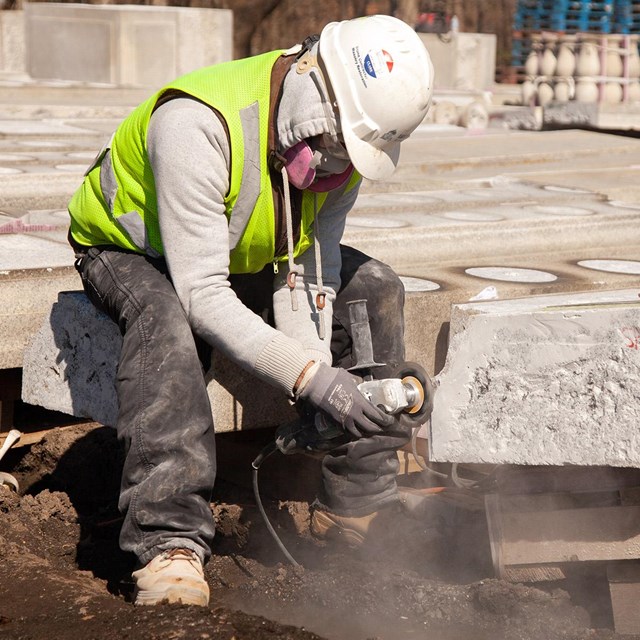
(190, 157)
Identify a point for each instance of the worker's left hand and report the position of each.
(334, 391)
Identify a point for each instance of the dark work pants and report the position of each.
(165, 417)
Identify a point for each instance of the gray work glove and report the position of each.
(335, 392)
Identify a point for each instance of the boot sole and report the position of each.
(172, 595)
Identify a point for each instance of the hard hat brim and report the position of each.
(371, 162)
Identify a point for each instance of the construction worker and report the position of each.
(222, 195)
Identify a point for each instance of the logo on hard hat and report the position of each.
(378, 63)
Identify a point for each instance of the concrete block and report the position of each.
(70, 367)
(27, 296)
(466, 61)
(12, 42)
(125, 45)
(546, 380)
(71, 362)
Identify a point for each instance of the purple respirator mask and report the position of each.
(326, 168)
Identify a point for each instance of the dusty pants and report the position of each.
(165, 420)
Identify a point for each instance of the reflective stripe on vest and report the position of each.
(250, 183)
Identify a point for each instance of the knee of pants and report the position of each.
(366, 278)
(384, 292)
(379, 284)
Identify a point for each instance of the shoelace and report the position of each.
(184, 555)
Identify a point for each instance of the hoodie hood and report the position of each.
(300, 112)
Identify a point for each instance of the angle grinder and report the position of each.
(406, 394)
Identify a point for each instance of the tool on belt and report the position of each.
(407, 395)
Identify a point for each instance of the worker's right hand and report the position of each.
(335, 392)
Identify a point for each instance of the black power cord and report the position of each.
(262, 456)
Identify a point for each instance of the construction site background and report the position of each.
(264, 25)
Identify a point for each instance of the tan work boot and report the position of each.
(175, 576)
(351, 530)
(390, 524)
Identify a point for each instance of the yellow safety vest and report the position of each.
(116, 203)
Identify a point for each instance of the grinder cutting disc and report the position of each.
(415, 385)
(416, 378)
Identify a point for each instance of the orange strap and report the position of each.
(302, 375)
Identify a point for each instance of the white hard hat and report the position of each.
(382, 79)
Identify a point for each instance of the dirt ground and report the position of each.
(63, 576)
